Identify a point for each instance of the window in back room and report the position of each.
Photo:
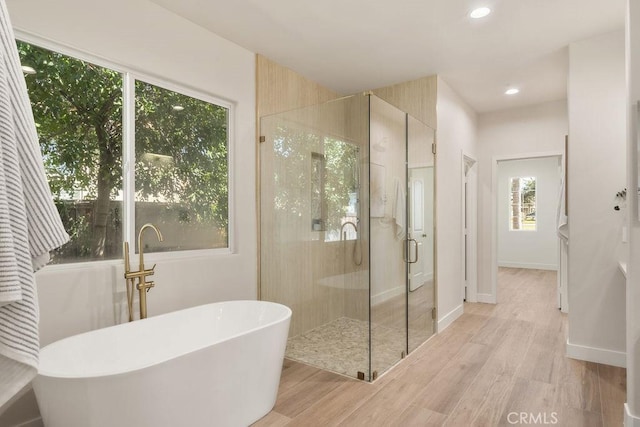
(522, 203)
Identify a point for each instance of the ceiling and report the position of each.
(355, 45)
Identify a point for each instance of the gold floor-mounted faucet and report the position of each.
(143, 285)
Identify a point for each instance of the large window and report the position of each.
(522, 203)
(181, 168)
(179, 152)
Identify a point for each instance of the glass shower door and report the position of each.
(388, 286)
(313, 231)
(420, 233)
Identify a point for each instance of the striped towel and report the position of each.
(30, 226)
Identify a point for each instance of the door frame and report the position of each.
(493, 297)
(469, 205)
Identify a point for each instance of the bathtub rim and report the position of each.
(52, 375)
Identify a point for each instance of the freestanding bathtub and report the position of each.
(213, 365)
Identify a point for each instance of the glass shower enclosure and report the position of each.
(347, 232)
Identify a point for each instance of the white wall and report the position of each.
(456, 134)
(505, 134)
(145, 37)
(529, 248)
(596, 168)
(633, 264)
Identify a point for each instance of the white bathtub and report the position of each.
(213, 365)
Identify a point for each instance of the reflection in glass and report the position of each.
(317, 192)
(341, 188)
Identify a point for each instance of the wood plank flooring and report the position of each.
(493, 361)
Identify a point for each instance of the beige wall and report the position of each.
(416, 97)
(279, 89)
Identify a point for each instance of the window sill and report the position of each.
(150, 258)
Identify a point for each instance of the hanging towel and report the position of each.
(399, 210)
(561, 218)
(30, 226)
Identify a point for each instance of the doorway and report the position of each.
(525, 193)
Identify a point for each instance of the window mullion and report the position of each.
(129, 157)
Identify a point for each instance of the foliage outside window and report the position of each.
(324, 167)
(341, 187)
(522, 203)
(181, 167)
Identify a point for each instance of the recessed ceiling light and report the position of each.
(511, 91)
(480, 12)
(28, 70)
(178, 108)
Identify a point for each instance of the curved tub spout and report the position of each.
(143, 285)
(140, 247)
(343, 233)
(357, 249)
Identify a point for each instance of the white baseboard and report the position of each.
(486, 298)
(450, 317)
(629, 419)
(533, 266)
(36, 422)
(597, 355)
(386, 295)
(428, 277)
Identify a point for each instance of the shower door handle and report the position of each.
(416, 242)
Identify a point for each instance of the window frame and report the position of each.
(129, 76)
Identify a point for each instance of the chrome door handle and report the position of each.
(416, 242)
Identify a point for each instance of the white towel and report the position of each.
(399, 210)
(30, 226)
(561, 218)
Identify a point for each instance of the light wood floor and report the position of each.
(493, 360)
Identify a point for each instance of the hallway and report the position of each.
(492, 366)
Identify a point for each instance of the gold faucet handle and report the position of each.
(150, 271)
(125, 250)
